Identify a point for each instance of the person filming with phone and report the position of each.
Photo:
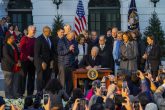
(56, 93)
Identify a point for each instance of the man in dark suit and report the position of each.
(92, 60)
(3, 30)
(93, 41)
(3, 27)
(109, 36)
(105, 52)
(110, 41)
(55, 39)
(43, 58)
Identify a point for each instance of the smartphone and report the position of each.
(46, 97)
(82, 103)
(137, 73)
(124, 85)
(161, 67)
(136, 105)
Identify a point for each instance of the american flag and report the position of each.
(80, 20)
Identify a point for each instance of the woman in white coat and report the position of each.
(82, 46)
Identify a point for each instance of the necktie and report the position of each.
(84, 49)
(47, 39)
(102, 47)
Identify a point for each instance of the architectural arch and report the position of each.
(103, 14)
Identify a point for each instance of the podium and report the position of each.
(82, 74)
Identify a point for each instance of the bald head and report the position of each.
(114, 32)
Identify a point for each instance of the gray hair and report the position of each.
(68, 25)
(95, 47)
(102, 36)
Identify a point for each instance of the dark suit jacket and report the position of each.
(106, 56)
(1, 45)
(42, 51)
(154, 57)
(8, 58)
(110, 41)
(92, 44)
(3, 31)
(54, 45)
(87, 61)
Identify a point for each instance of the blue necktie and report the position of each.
(48, 42)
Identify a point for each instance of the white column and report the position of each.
(43, 13)
(3, 7)
(124, 14)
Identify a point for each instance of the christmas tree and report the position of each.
(58, 23)
(155, 29)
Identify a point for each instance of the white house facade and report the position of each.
(99, 16)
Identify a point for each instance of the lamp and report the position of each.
(155, 2)
(57, 2)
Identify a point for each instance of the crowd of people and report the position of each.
(137, 81)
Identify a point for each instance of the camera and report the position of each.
(136, 105)
(103, 90)
(137, 73)
(82, 103)
(124, 85)
(161, 77)
(46, 98)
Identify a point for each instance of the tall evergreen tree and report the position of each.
(155, 29)
(58, 23)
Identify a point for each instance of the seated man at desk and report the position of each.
(92, 60)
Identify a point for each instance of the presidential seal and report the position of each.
(92, 74)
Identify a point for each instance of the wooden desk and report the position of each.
(82, 74)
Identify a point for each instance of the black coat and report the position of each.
(91, 44)
(154, 57)
(87, 61)
(110, 41)
(54, 46)
(106, 57)
(8, 62)
(42, 52)
(3, 31)
(1, 45)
